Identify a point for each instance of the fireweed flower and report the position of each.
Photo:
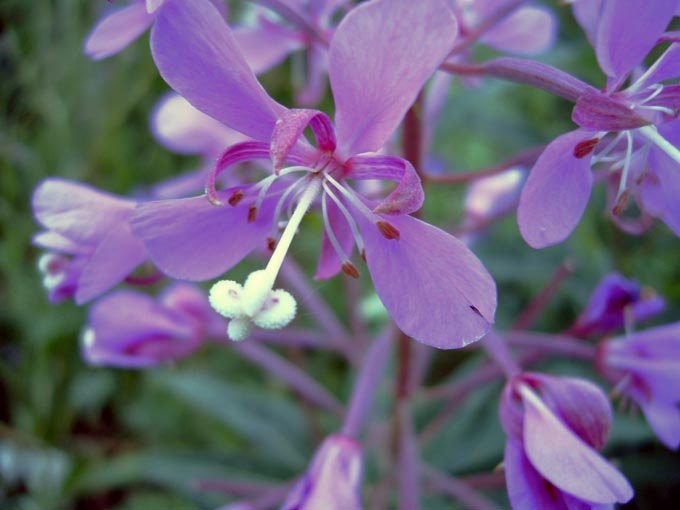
(333, 479)
(183, 129)
(90, 247)
(555, 425)
(133, 330)
(269, 42)
(436, 290)
(616, 302)
(121, 27)
(645, 366)
(632, 132)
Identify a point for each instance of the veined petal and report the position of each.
(527, 489)
(266, 45)
(115, 257)
(617, 52)
(78, 212)
(381, 55)
(436, 290)
(527, 31)
(191, 239)
(197, 55)
(288, 132)
(600, 112)
(117, 30)
(406, 198)
(182, 128)
(565, 460)
(556, 192)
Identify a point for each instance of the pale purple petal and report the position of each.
(53, 241)
(117, 30)
(667, 171)
(617, 51)
(527, 31)
(581, 405)
(182, 128)
(191, 239)
(197, 55)
(314, 87)
(436, 290)
(330, 263)
(664, 418)
(666, 67)
(187, 184)
(406, 197)
(118, 254)
(566, 461)
(588, 13)
(527, 489)
(556, 192)
(381, 55)
(153, 5)
(494, 195)
(78, 212)
(266, 45)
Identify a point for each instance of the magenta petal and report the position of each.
(565, 460)
(406, 198)
(433, 286)
(527, 31)
(289, 129)
(664, 418)
(617, 52)
(381, 55)
(556, 192)
(182, 128)
(117, 30)
(191, 239)
(330, 263)
(527, 489)
(78, 212)
(197, 55)
(582, 406)
(267, 45)
(115, 257)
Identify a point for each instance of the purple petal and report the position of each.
(433, 286)
(330, 263)
(78, 212)
(117, 30)
(666, 170)
(187, 184)
(191, 239)
(527, 31)
(266, 45)
(406, 198)
(617, 51)
(53, 241)
(664, 418)
(115, 257)
(581, 405)
(600, 112)
(314, 87)
(565, 460)
(130, 329)
(556, 193)
(289, 129)
(197, 55)
(527, 489)
(181, 128)
(666, 67)
(153, 5)
(588, 13)
(381, 55)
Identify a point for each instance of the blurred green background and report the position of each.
(76, 437)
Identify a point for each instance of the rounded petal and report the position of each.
(436, 290)
(527, 31)
(198, 56)
(266, 45)
(381, 55)
(191, 239)
(556, 192)
(664, 418)
(117, 30)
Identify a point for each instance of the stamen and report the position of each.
(585, 147)
(358, 238)
(350, 270)
(252, 214)
(653, 135)
(284, 197)
(235, 198)
(605, 152)
(626, 165)
(331, 234)
(388, 230)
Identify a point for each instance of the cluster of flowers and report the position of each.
(378, 58)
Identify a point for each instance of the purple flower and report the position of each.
(555, 425)
(121, 27)
(632, 132)
(90, 246)
(333, 480)
(646, 367)
(436, 290)
(130, 329)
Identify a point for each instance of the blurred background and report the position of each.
(84, 438)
